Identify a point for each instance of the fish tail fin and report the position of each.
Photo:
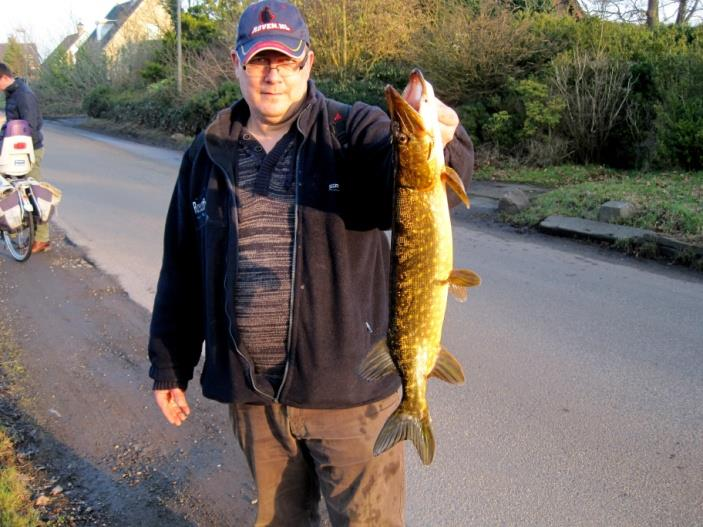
(447, 368)
(378, 363)
(454, 182)
(459, 281)
(402, 425)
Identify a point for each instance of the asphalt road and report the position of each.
(584, 396)
(115, 197)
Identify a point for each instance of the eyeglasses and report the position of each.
(260, 66)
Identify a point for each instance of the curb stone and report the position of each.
(609, 232)
(488, 194)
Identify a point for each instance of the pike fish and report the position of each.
(422, 272)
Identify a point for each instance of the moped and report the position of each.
(24, 201)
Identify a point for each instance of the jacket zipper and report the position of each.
(250, 368)
(294, 257)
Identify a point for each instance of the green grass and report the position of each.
(670, 203)
(16, 509)
(550, 177)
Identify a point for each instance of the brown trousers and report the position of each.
(295, 454)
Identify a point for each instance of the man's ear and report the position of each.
(235, 64)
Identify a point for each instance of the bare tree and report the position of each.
(595, 89)
(681, 13)
(652, 13)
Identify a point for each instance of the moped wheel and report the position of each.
(20, 243)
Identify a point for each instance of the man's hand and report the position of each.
(448, 121)
(173, 405)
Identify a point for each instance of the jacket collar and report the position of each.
(221, 136)
(13, 87)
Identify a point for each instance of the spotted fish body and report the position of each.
(421, 268)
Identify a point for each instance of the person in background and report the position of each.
(275, 255)
(21, 103)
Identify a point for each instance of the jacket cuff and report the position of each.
(168, 378)
(169, 385)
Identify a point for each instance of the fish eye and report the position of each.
(402, 139)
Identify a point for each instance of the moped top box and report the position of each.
(17, 152)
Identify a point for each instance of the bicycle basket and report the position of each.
(10, 212)
(46, 196)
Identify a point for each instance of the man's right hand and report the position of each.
(173, 405)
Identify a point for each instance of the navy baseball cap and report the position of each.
(271, 24)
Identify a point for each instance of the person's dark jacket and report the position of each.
(341, 262)
(21, 103)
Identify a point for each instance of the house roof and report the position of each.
(118, 15)
(67, 42)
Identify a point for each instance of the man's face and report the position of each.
(5, 81)
(272, 97)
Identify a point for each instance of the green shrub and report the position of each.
(473, 55)
(159, 106)
(679, 123)
(370, 88)
(197, 112)
(501, 129)
(98, 103)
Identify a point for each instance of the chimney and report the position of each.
(81, 28)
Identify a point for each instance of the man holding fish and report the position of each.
(275, 256)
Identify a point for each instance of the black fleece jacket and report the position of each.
(340, 262)
(21, 103)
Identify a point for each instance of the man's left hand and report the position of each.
(448, 121)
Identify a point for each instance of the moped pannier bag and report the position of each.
(10, 212)
(47, 197)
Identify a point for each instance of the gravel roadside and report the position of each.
(77, 398)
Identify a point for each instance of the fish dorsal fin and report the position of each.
(454, 182)
(378, 363)
(447, 368)
(459, 281)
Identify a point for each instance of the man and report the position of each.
(21, 103)
(275, 255)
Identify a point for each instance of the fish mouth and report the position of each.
(404, 108)
(416, 90)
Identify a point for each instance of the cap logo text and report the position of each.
(270, 26)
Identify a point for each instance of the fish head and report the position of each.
(414, 130)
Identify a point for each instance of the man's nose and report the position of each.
(272, 74)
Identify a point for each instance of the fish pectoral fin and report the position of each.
(378, 363)
(447, 368)
(454, 182)
(460, 280)
(401, 426)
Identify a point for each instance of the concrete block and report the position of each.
(612, 211)
(513, 201)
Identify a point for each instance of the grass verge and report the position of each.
(670, 203)
(16, 508)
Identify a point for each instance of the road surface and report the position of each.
(584, 396)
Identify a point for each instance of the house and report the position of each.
(72, 43)
(23, 58)
(128, 23)
(131, 22)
